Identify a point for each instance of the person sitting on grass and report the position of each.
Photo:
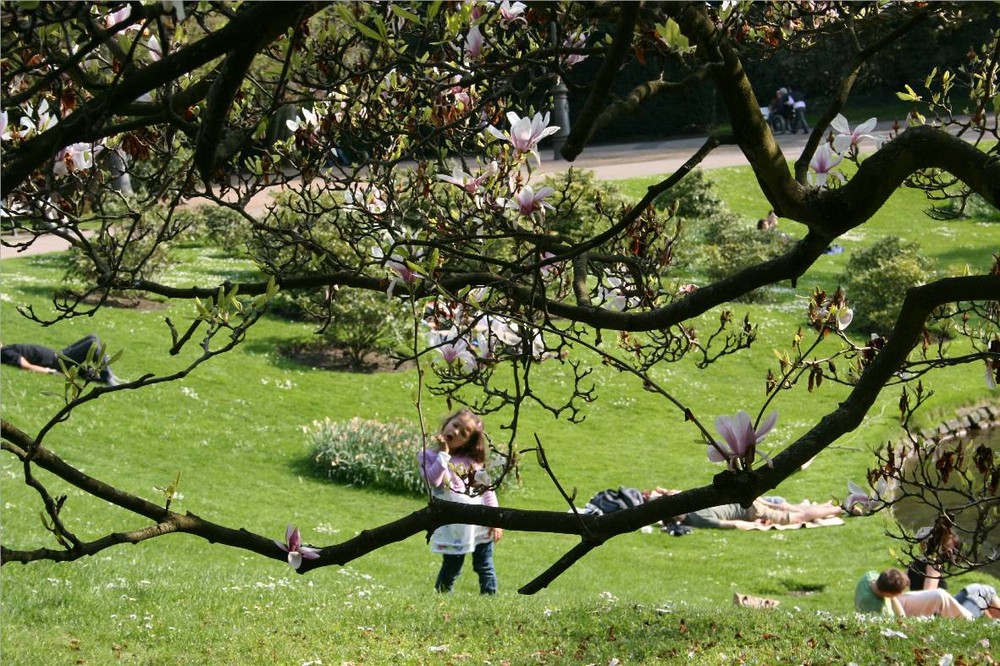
(38, 358)
(886, 593)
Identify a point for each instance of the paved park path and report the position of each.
(611, 162)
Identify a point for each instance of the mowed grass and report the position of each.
(233, 430)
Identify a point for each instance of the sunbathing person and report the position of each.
(886, 593)
(762, 514)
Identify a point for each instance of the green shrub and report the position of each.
(584, 205)
(357, 322)
(222, 226)
(365, 322)
(693, 196)
(368, 453)
(130, 242)
(727, 243)
(876, 280)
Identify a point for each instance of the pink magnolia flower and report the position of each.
(740, 439)
(155, 50)
(528, 202)
(397, 265)
(4, 134)
(309, 122)
(548, 267)
(823, 163)
(614, 298)
(45, 120)
(577, 40)
(453, 349)
(525, 133)
(176, 6)
(366, 196)
(512, 12)
(861, 502)
(114, 18)
(845, 137)
(471, 184)
(296, 551)
(474, 43)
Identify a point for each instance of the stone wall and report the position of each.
(969, 421)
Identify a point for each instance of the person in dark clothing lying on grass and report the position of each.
(38, 358)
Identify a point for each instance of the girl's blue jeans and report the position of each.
(482, 564)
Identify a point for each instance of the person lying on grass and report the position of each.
(886, 593)
(762, 514)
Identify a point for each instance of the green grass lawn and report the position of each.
(234, 432)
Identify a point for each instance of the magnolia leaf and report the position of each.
(930, 78)
(909, 95)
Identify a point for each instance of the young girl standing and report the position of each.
(450, 471)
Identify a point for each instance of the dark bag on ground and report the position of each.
(611, 500)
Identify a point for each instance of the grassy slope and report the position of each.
(233, 430)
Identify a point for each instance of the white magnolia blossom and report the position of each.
(308, 122)
(367, 197)
(577, 40)
(846, 138)
(525, 133)
(474, 43)
(453, 349)
(529, 203)
(75, 157)
(37, 121)
(843, 315)
(493, 333)
(614, 297)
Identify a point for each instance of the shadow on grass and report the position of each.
(320, 354)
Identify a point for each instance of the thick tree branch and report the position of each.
(260, 21)
(620, 45)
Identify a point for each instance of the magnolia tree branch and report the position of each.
(257, 22)
(583, 124)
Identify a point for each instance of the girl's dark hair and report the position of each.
(475, 448)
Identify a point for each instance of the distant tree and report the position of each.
(413, 132)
